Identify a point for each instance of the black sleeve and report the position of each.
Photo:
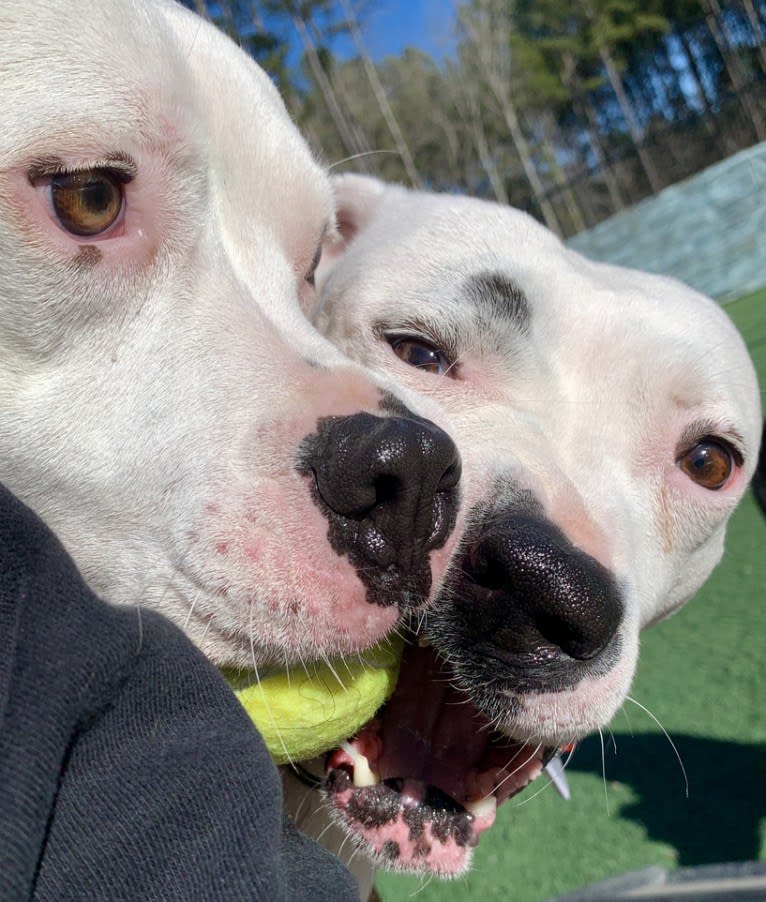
(128, 770)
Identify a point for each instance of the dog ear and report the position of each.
(357, 198)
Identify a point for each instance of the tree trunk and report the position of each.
(755, 24)
(499, 89)
(356, 131)
(380, 96)
(359, 136)
(560, 177)
(467, 105)
(485, 157)
(336, 113)
(733, 68)
(592, 133)
(453, 143)
(694, 72)
(636, 132)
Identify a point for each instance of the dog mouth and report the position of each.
(422, 781)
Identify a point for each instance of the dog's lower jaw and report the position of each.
(418, 786)
(411, 827)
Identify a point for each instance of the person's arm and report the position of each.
(128, 770)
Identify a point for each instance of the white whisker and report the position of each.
(361, 155)
(667, 736)
(603, 770)
(520, 767)
(424, 882)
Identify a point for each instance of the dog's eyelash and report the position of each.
(119, 164)
(416, 331)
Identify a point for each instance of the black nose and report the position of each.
(535, 595)
(389, 487)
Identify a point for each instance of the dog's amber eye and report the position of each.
(88, 202)
(709, 463)
(421, 354)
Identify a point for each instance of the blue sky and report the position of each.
(388, 26)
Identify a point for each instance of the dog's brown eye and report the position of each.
(89, 202)
(709, 463)
(421, 354)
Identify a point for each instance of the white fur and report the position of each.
(155, 383)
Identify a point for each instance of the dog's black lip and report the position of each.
(376, 806)
(547, 662)
(498, 682)
(437, 816)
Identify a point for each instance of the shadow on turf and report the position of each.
(719, 820)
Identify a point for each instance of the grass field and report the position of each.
(702, 674)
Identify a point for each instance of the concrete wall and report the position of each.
(709, 231)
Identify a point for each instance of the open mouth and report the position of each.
(420, 783)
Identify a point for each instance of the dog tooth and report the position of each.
(555, 770)
(479, 807)
(364, 775)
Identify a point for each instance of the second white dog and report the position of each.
(609, 423)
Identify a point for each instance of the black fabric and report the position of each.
(128, 770)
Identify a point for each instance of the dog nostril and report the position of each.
(451, 477)
(387, 488)
(489, 574)
(577, 643)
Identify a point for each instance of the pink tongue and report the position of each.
(431, 732)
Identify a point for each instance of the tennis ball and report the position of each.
(304, 712)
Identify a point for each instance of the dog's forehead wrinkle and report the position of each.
(655, 361)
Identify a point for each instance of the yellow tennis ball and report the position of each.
(304, 712)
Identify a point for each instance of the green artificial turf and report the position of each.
(702, 675)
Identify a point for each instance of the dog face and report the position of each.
(608, 422)
(164, 404)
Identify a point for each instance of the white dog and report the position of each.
(608, 422)
(164, 404)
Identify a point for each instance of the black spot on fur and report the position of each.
(500, 297)
(391, 850)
